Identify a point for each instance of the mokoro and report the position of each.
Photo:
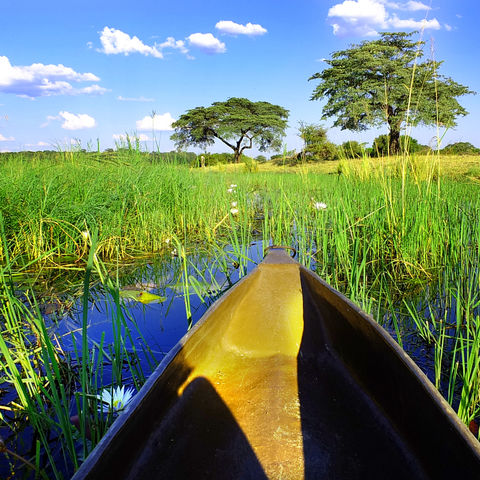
(285, 378)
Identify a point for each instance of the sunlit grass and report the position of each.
(392, 230)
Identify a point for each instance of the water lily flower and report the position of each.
(167, 241)
(234, 204)
(115, 400)
(319, 206)
(234, 211)
(85, 235)
(174, 252)
(233, 185)
(230, 190)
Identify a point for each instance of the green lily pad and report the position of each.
(141, 296)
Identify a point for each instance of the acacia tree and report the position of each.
(239, 123)
(384, 81)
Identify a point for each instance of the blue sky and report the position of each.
(78, 71)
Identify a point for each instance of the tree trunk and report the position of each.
(236, 155)
(394, 143)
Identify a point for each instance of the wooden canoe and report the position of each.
(285, 378)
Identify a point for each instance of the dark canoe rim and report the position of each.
(277, 255)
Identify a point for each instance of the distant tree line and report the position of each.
(119, 155)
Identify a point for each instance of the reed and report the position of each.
(402, 240)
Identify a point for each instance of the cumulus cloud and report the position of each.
(116, 42)
(207, 43)
(411, 6)
(170, 42)
(39, 80)
(415, 6)
(72, 121)
(6, 139)
(135, 99)
(161, 122)
(251, 29)
(366, 17)
(432, 24)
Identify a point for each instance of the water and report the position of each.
(157, 326)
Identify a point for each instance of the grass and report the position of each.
(399, 236)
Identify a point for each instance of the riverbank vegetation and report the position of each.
(399, 235)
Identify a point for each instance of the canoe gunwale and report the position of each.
(402, 355)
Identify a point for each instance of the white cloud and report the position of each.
(92, 89)
(122, 137)
(38, 144)
(396, 22)
(448, 27)
(411, 6)
(72, 121)
(227, 26)
(135, 99)
(367, 17)
(355, 11)
(207, 42)
(161, 122)
(416, 6)
(6, 139)
(358, 17)
(115, 42)
(170, 42)
(39, 80)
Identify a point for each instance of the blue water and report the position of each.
(156, 327)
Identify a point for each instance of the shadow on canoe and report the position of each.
(284, 378)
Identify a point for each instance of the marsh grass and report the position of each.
(393, 231)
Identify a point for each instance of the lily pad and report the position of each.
(141, 296)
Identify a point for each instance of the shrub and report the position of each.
(460, 148)
(352, 149)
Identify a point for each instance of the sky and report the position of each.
(81, 72)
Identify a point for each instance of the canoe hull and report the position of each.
(285, 378)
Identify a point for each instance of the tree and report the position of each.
(238, 123)
(461, 148)
(380, 146)
(316, 145)
(383, 81)
(353, 149)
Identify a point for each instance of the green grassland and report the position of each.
(385, 232)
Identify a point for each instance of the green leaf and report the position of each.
(141, 296)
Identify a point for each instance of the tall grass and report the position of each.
(401, 241)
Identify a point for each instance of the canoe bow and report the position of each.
(285, 378)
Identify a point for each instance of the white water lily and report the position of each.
(234, 204)
(319, 206)
(233, 185)
(234, 211)
(115, 400)
(230, 190)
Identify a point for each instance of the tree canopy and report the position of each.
(316, 145)
(238, 122)
(383, 81)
